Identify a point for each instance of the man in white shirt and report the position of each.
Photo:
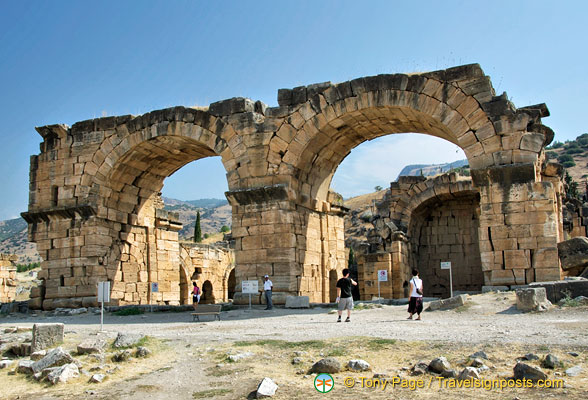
(268, 287)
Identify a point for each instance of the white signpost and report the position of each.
(382, 277)
(250, 287)
(447, 265)
(103, 297)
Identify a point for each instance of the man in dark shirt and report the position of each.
(344, 297)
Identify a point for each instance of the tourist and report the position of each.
(344, 297)
(268, 286)
(195, 295)
(415, 304)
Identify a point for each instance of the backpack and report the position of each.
(418, 289)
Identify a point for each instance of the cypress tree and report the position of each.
(197, 230)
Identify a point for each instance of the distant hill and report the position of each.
(11, 227)
(431, 169)
(14, 240)
(214, 214)
(200, 203)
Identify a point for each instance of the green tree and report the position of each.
(197, 229)
(378, 188)
(225, 229)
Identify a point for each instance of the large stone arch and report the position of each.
(91, 183)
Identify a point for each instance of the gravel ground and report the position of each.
(490, 318)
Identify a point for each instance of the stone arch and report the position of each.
(207, 293)
(230, 283)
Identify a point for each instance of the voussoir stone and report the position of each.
(329, 365)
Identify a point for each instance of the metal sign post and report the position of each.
(249, 287)
(103, 296)
(382, 277)
(447, 265)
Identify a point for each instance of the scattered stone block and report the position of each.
(439, 365)
(329, 365)
(449, 374)
(46, 336)
(6, 363)
(239, 356)
(296, 360)
(25, 367)
(63, 374)
(127, 339)
(525, 371)
(297, 302)
(477, 363)
(37, 355)
(550, 362)
(479, 354)
(419, 368)
(97, 378)
(532, 299)
(573, 253)
(266, 388)
(122, 356)
(448, 304)
(54, 358)
(142, 352)
(90, 346)
(358, 365)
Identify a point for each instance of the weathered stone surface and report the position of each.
(358, 365)
(6, 363)
(63, 374)
(89, 346)
(525, 371)
(297, 302)
(127, 339)
(532, 299)
(448, 304)
(560, 289)
(479, 354)
(46, 335)
(266, 388)
(468, 373)
(573, 253)
(121, 356)
(25, 367)
(439, 365)
(54, 358)
(37, 355)
(329, 365)
(477, 363)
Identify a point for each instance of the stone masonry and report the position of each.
(7, 278)
(94, 185)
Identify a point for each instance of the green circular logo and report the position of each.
(324, 383)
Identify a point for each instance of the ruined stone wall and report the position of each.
(447, 232)
(7, 278)
(206, 263)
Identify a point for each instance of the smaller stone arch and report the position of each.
(208, 296)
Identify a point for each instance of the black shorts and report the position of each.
(415, 305)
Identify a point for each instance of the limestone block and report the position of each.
(532, 299)
(297, 302)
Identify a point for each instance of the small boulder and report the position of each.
(239, 356)
(439, 365)
(25, 367)
(97, 378)
(296, 360)
(525, 371)
(6, 363)
(574, 371)
(142, 352)
(358, 365)
(479, 354)
(468, 373)
(121, 356)
(477, 363)
(449, 374)
(329, 365)
(447, 304)
(550, 362)
(63, 374)
(530, 357)
(266, 388)
(90, 346)
(127, 340)
(419, 368)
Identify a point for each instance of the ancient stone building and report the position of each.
(93, 185)
(7, 278)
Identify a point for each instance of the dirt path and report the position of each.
(189, 365)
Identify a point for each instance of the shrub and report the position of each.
(571, 145)
(568, 164)
(551, 155)
(565, 157)
(27, 267)
(574, 150)
(556, 145)
(225, 229)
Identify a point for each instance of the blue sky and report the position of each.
(65, 61)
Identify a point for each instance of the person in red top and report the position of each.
(195, 295)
